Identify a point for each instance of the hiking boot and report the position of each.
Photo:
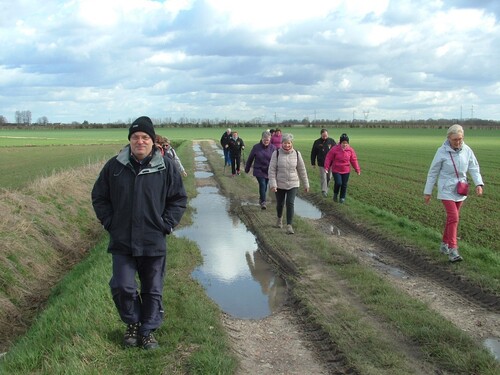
(263, 205)
(335, 198)
(454, 256)
(444, 249)
(130, 336)
(148, 342)
(279, 223)
(342, 200)
(325, 194)
(289, 229)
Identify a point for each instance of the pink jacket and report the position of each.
(339, 160)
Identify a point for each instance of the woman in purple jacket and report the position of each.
(339, 160)
(260, 156)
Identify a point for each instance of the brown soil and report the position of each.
(287, 343)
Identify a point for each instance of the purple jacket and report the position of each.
(260, 156)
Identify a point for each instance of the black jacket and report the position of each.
(235, 146)
(138, 210)
(224, 140)
(319, 150)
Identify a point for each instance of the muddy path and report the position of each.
(287, 342)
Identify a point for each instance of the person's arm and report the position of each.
(314, 154)
(176, 199)
(432, 175)
(101, 198)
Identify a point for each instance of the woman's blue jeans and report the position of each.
(263, 182)
(340, 184)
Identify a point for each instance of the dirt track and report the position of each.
(285, 343)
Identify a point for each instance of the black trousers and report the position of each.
(133, 306)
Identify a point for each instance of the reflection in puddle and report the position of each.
(233, 272)
(305, 209)
(202, 174)
(493, 344)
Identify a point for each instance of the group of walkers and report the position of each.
(139, 198)
(277, 165)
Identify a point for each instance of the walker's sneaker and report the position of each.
(130, 336)
(325, 194)
(444, 248)
(342, 200)
(289, 229)
(148, 342)
(279, 223)
(335, 198)
(454, 256)
(263, 205)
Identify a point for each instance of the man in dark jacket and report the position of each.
(224, 142)
(236, 145)
(320, 148)
(139, 198)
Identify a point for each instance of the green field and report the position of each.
(394, 165)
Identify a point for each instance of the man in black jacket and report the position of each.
(139, 198)
(235, 145)
(320, 148)
(224, 142)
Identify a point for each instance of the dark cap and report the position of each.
(142, 124)
(344, 137)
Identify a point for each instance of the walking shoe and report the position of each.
(325, 194)
(148, 342)
(279, 223)
(444, 248)
(335, 198)
(263, 205)
(454, 256)
(289, 229)
(342, 200)
(130, 336)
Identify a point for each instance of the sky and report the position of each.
(261, 60)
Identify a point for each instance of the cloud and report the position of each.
(99, 61)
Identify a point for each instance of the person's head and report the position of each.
(235, 135)
(344, 140)
(265, 138)
(141, 135)
(455, 136)
(166, 143)
(324, 133)
(277, 131)
(228, 131)
(287, 141)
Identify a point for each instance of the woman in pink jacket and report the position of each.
(339, 160)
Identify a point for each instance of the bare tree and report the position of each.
(43, 120)
(3, 120)
(23, 117)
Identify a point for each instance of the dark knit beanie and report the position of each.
(344, 137)
(142, 124)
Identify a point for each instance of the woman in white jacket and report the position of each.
(286, 171)
(453, 160)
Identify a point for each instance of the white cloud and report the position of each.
(92, 60)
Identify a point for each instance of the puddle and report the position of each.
(393, 271)
(493, 345)
(234, 273)
(305, 209)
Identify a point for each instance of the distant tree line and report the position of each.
(23, 119)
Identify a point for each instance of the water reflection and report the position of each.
(493, 345)
(234, 273)
(305, 209)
